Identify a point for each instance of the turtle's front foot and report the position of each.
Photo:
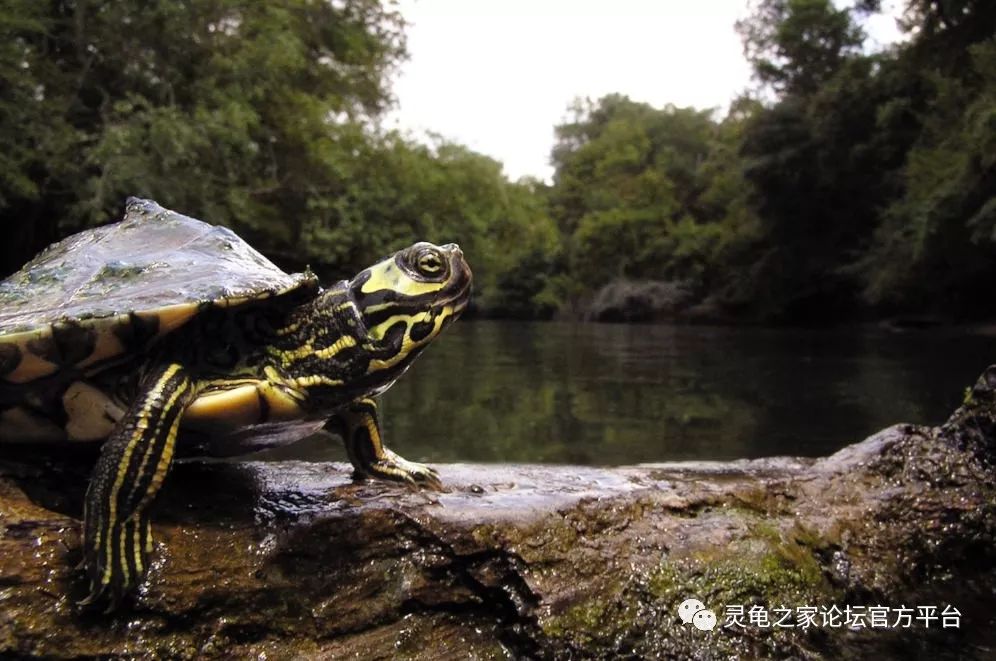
(115, 560)
(360, 430)
(392, 466)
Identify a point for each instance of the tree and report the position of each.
(795, 46)
(934, 247)
(629, 191)
(238, 112)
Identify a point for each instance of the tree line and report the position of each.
(848, 184)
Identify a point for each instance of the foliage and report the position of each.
(260, 116)
(849, 183)
(872, 177)
(642, 192)
(865, 183)
(236, 111)
(937, 240)
(798, 45)
(402, 191)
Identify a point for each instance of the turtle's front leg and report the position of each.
(117, 537)
(360, 431)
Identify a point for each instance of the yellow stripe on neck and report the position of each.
(380, 330)
(408, 345)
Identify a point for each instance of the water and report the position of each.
(621, 394)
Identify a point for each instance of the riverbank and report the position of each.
(521, 561)
(674, 302)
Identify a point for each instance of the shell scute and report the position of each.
(112, 290)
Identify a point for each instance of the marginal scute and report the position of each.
(30, 368)
(45, 348)
(137, 331)
(10, 358)
(74, 342)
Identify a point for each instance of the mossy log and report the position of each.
(295, 560)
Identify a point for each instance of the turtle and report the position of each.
(160, 327)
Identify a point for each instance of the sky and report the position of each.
(498, 75)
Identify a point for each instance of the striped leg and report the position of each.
(360, 432)
(117, 537)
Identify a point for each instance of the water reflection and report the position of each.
(619, 394)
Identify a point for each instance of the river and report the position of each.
(498, 391)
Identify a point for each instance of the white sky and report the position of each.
(497, 75)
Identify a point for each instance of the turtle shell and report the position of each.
(110, 291)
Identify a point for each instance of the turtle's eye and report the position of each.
(429, 262)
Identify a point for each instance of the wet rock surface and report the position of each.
(295, 560)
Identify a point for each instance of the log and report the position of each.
(296, 560)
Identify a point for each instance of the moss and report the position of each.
(763, 569)
(754, 501)
(809, 537)
(598, 620)
(665, 581)
(795, 558)
(581, 619)
(766, 567)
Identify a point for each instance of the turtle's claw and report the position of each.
(108, 593)
(115, 569)
(397, 468)
(360, 431)
(99, 592)
(91, 598)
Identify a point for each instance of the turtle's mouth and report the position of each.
(462, 281)
(462, 297)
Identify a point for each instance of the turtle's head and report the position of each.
(408, 298)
